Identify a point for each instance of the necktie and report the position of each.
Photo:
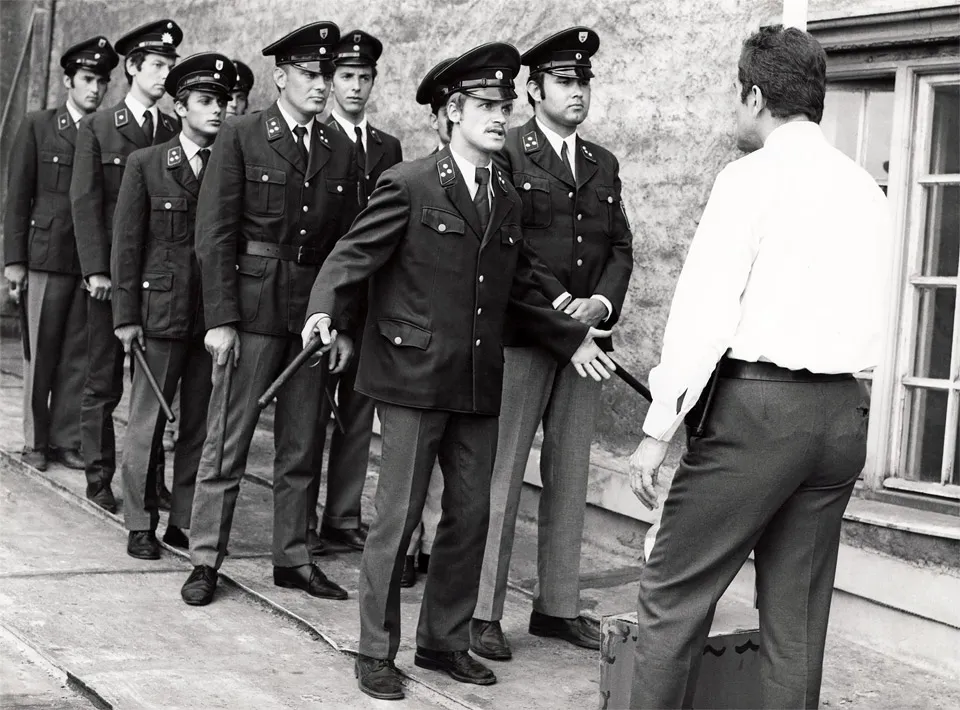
(204, 157)
(480, 200)
(301, 133)
(361, 153)
(148, 126)
(565, 157)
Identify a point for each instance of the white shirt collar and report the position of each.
(469, 172)
(556, 141)
(190, 149)
(138, 109)
(292, 123)
(75, 114)
(350, 128)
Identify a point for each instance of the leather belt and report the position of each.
(742, 370)
(299, 255)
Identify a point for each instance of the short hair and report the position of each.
(458, 99)
(136, 57)
(70, 71)
(371, 67)
(538, 80)
(182, 96)
(789, 67)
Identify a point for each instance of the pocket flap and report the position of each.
(510, 235)
(47, 156)
(403, 334)
(157, 282)
(249, 265)
(607, 194)
(526, 183)
(271, 176)
(172, 204)
(340, 186)
(41, 221)
(443, 221)
(113, 159)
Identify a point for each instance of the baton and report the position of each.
(227, 383)
(311, 347)
(152, 381)
(24, 325)
(632, 381)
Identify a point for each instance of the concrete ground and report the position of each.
(115, 628)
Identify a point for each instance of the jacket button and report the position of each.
(397, 340)
(579, 239)
(442, 228)
(579, 217)
(265, 177)
(56, 158)
(478, 342)
(305, 208)
(479, 311)
(306, 184)
(146, 284)
(116, 161)
(481, 278)
(236, 267)
(526, 186)
(610, 199)
(339, 188)
(167, 205)
(33, 222)
(303, 232)
(579, 262)
(570, 195)
(510, 239)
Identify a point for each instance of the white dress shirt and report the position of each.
(350, 128)
(292, 123)
(469, 172)
(75, 113)
(137, 110)
(191, 151)
(556, 141)
(790, 264)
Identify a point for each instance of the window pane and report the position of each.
(941, 252)
(927, 418)
(841, 119)
(879, 129)
(945, 147)
(934, 332)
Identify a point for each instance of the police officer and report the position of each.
(573, 217)
(441, 245)
(103, 144)
(240, 93)
(156, 296)
(281, 188)
(39, 247)
(356, 71)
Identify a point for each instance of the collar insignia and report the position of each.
(447, 174)
(121, 118)
(587, 154)
(531, 142)
(174, 157)
(273, 129)
(63, 121)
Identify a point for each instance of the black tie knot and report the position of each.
(300, 132)
(483, 177)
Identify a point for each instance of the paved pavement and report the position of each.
(116, 626)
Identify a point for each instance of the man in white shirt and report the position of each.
(784, 292)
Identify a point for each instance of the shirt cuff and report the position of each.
(606, 302)
(561, 299)
(662, 421)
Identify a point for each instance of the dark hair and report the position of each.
(136, 57)
(182, 96)
(789, 67)
(458, 99)
(70, 71)
(538, 80)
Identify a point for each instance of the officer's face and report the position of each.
(237, 105)
(482, 122)
(86, 89)
(440, 123)
(306, 91)
(351, 88)
(203, 112)
(151, 74)
(564, 100)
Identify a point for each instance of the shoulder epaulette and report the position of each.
(447, 174)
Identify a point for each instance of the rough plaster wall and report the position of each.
(823, 9)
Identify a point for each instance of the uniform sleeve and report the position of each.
(616, 273)
(87, 203)
(21, 182)
(130, 228)
(706, 306)
(363, 250)
(219, 210)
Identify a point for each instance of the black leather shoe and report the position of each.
(580, 631)
(409, 576)
(36, 459)
(487, 640)
(200, 585)
(353, 538)
(459, 665)
(378, 678)
(423, 562)
(143, 545)
(102, 495)
(315, 545)
(70, 458)
(310, 579)
(175, 537)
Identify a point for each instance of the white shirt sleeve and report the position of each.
(706, 305)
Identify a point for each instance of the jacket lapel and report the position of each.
(501, 204)
(65, 126)
(536, 145)
(281, 139)
(125, 122)
(374, 148)
(319, 150)
(586, 163)
(166, 129)
(453, 184)
(179, 167)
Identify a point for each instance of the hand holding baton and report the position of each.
(151, 380)
(632, 381)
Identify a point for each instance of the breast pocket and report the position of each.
(40, 237)
(443, 222)
(55, 171)
(608, 202)
(266, 191)
(112, 165)
(157, 301)
(510, 235)
(535, 195)
(168, 218)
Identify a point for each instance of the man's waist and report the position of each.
(305, 256)
(732, 368)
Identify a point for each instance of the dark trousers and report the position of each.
(173, 363)
(349, 453)
(53, 379)
(412, 440)
(102, 390)
(262, 358)
(772, 473)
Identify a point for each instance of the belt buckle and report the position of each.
(299, 255)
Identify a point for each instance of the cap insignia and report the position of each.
(121, 118)
(219, 65)
(174, 157)
(273, 129)
(583, 37)
(579, 56)
(356, 40)
(323, 33)
(102, 43)
(445, 169)
(166, 38)
(63, 121)
(531, 142)
(499, 74)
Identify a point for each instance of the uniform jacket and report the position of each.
(579, 231)
(37, 225)
(383, 151)
(104, 142)
(156, 277)
(256, 188)
(440, 290)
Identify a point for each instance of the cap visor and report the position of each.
(492, 93)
